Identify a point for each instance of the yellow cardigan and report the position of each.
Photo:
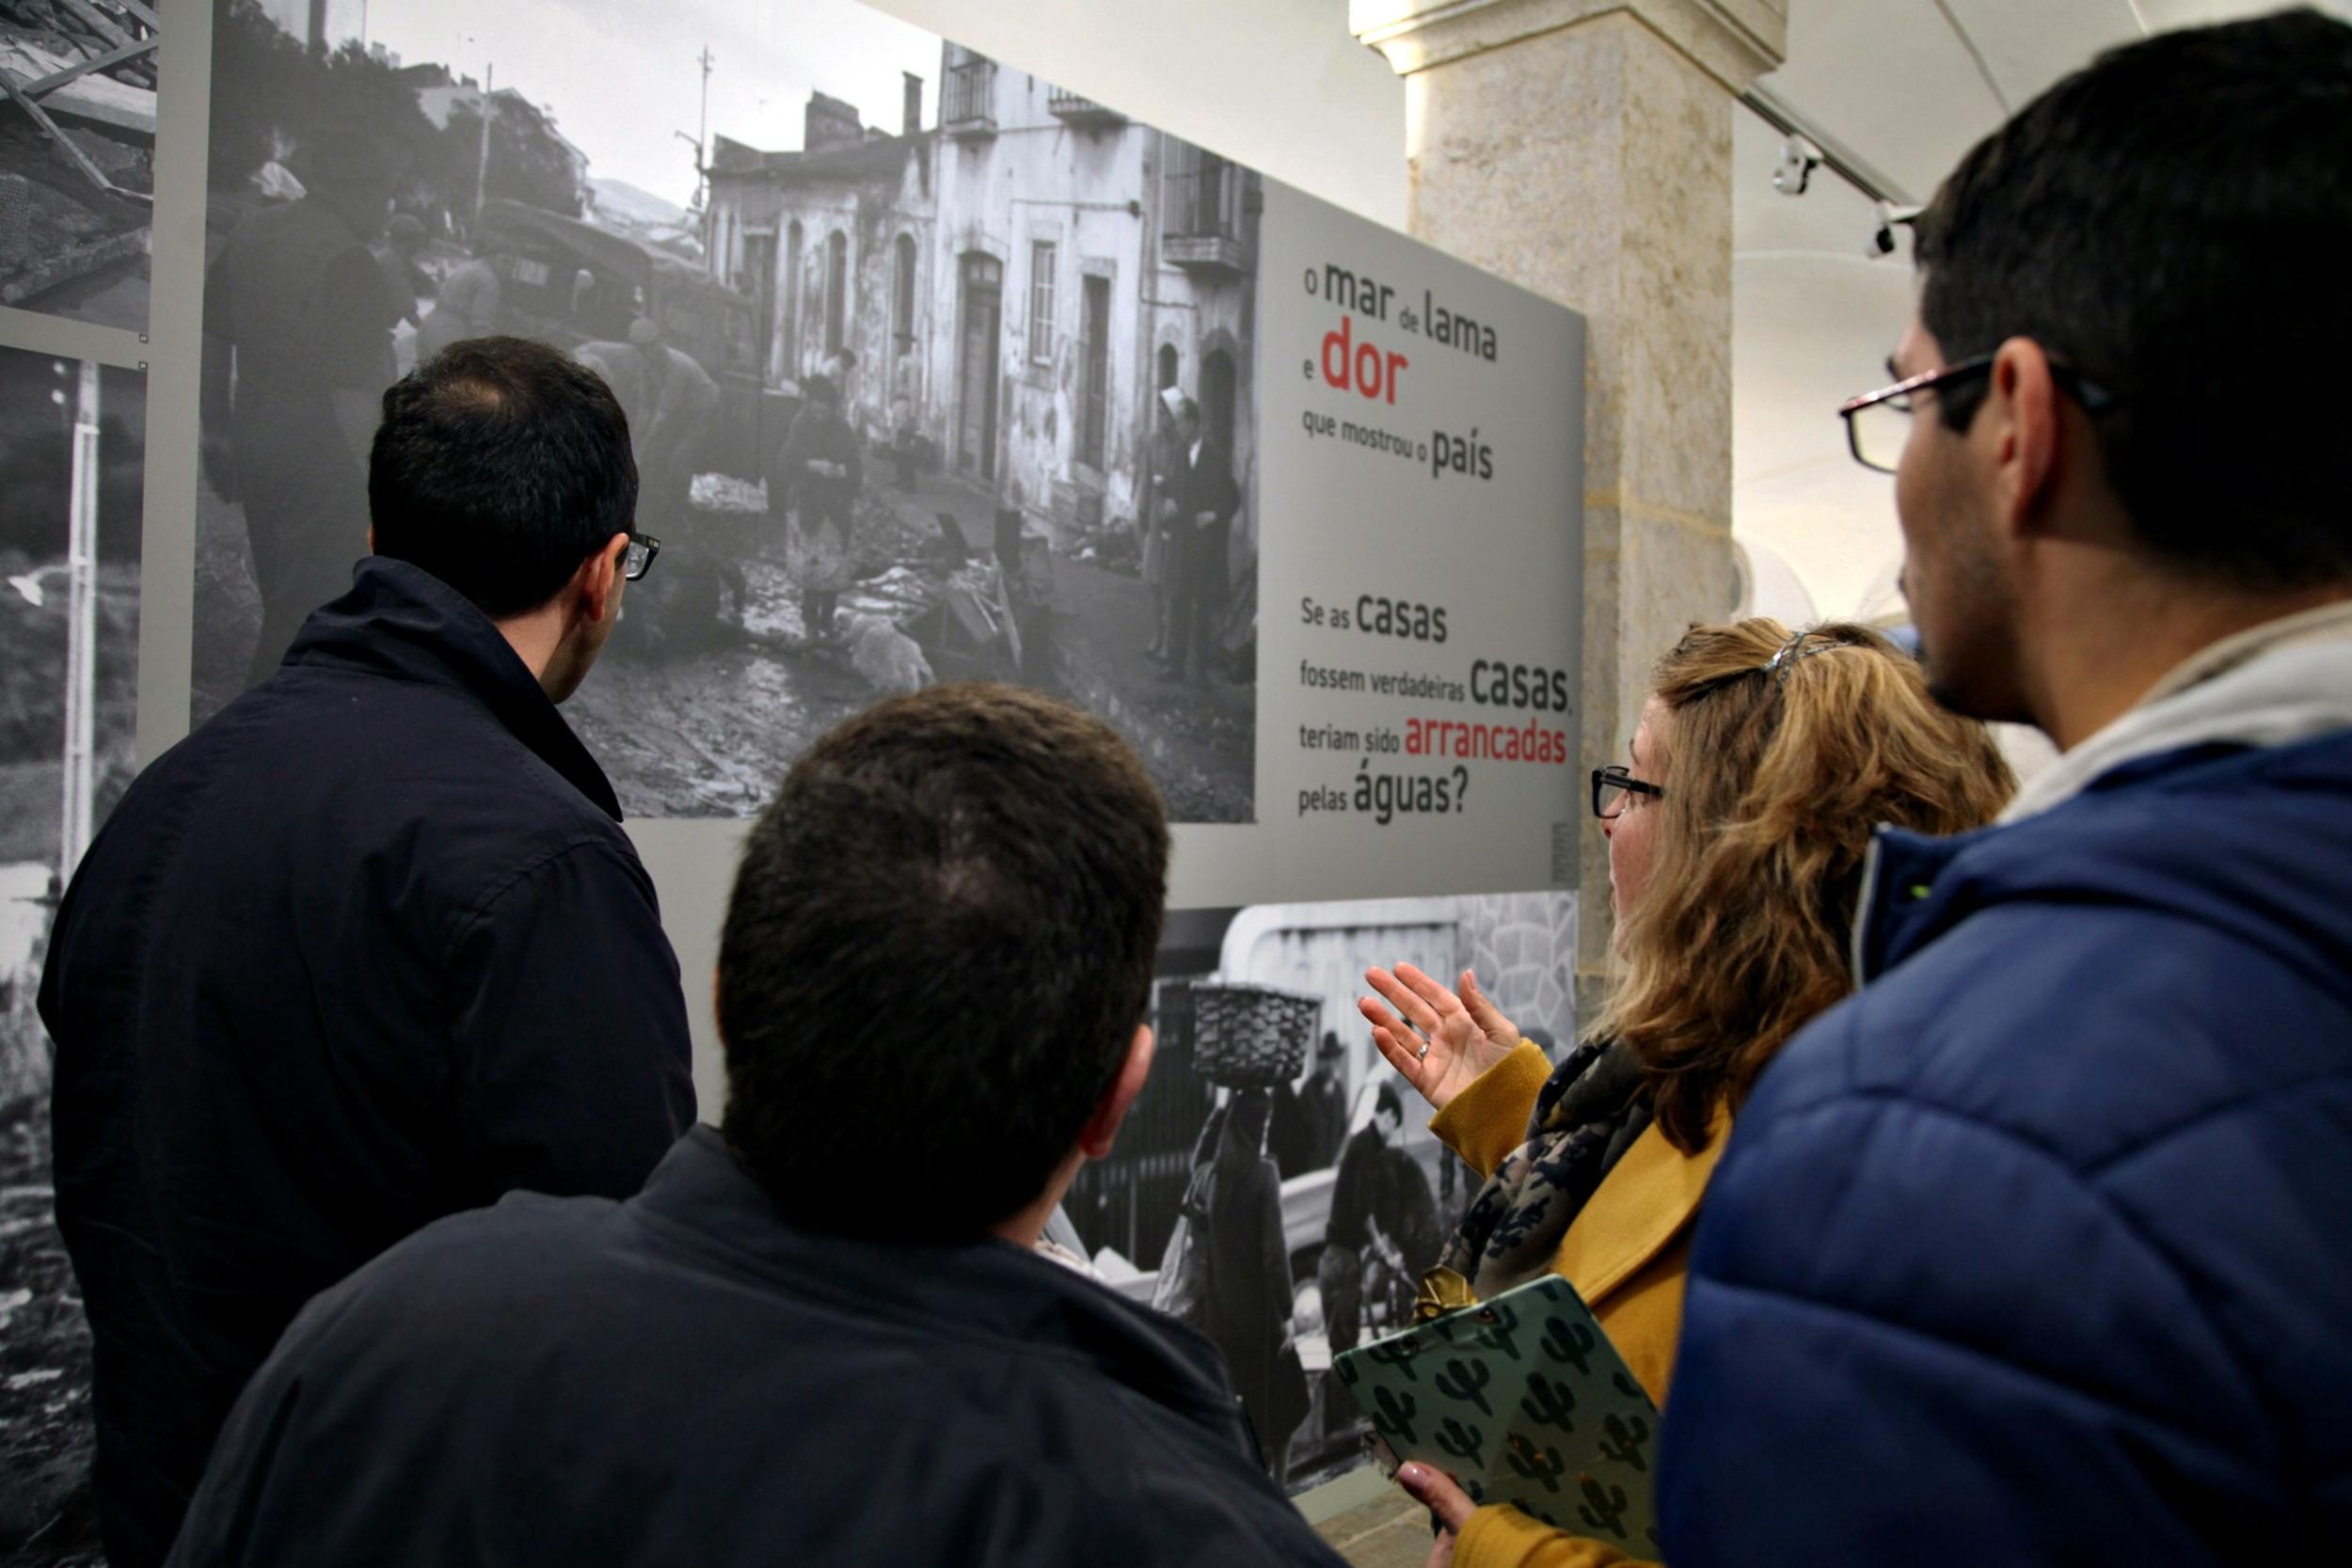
(1627, 1254)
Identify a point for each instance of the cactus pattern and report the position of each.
(1627, 1387)
(1462, 1442)
(1395, 1414)
(1569, 1342)
(1549, 1402)
(1397, 1354)
(1348, 1372)
(1497, 1336)
(1604, 1508)
(1544, 1465)
(1466, 1380)
(1478, 1494)
(1625, 1441)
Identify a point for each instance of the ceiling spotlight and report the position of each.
(1799, 158)
(1881, 241)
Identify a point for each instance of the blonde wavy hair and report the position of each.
(1779, 754)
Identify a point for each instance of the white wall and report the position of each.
(1280, 84)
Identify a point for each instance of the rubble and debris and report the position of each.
(725, 494)
(1113, 547)
(887, 658)
(77, 140)
(47, 1513)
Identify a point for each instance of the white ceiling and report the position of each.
(1907, 86)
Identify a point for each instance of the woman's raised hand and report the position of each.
(1442, 1039)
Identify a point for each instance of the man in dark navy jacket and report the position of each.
(823, 1336)
(370, 947)
(2038, 1250)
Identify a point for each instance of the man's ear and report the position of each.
(2023, 420)
(1102, 1129)
(599, 579)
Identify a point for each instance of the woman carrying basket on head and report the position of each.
(1737, 829)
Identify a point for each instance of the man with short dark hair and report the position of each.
(823, 1334)
(370, 947)
(2039, 1249)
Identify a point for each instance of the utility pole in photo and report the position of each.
(81, 659)
(700, 205)
(481, 170)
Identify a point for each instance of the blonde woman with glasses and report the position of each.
(1737, 829)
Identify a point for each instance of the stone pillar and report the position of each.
(1583, 150)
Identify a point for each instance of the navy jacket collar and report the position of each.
(2211, 832)
(986, 1288)
(402, 622)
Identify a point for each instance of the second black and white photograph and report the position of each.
(934, 370)
(1277, 1185)
(73, 449)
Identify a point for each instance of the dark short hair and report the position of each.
(502, 464)
(1387, 1101)
(2172, 222)
(939, 945)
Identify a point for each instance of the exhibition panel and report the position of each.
(936, 371)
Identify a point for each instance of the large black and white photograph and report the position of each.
(1275, 1185)
(934, 370)
(77, 157)
(72, 438)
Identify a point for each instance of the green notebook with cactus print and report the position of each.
(1522, 1400)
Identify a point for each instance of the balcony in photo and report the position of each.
(966, 107)
(1085, 113)
(1203, 205)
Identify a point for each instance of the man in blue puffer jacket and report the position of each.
(2039, 1249)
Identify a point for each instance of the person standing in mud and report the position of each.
(1207, 498)
(673, 408)
(816, 476)
(469, 304)
(405, 282)
(1164, 486)
(298, 322)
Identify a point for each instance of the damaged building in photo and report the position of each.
(1014, 286)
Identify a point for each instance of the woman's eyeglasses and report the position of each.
(1611, 785)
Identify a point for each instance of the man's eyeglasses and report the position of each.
(1611, 784)
(1878, 423)
(638, 559)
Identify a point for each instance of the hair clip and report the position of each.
(1784, 660)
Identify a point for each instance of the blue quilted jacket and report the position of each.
(2039, 1249)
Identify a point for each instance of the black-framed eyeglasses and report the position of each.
(638, 559)
(1878, 423)
(1611, 784)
